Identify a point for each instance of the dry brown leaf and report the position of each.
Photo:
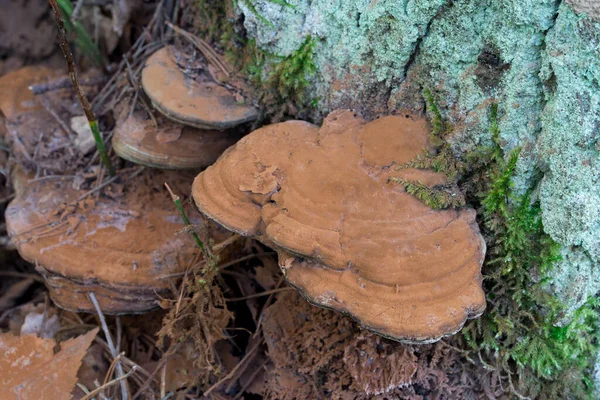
(29, 368)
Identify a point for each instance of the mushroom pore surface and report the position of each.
(347, 239)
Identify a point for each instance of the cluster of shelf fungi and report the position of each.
(346, 238)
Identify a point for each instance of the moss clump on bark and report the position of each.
(518, 336)
(279, 82)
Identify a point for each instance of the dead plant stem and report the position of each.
(177, 200)
(108, 384)
(266, 292)
(87, 108)
(234, 370)
(111, 345)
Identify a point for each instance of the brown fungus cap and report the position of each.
(169, 145)
(15, 97)
(126, 246)
(198, 102)
(347, 239)
(35, 127)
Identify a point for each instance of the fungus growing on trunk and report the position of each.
(124, 245)
(346, 238)
(169, 145)
(198, 102)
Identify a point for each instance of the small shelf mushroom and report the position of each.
(33, 125)
(199, 102)
(124, 248)
(204, 118)
(346, 238)
(168, 145)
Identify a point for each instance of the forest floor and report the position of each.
(244, 334)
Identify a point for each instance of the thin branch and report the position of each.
(186, 221)
(87, 108)
(111, 346)
(119, 380)
(265, 293)
(234, 370)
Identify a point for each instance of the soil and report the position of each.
(224, 324)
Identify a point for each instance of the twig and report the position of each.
(216, 249)
(65, 83)
(250, 380)
(109, 341)
(204, 47)
(87, 108)
(184, 217)
(163, 381)
(234, 370)
(245, 258)
(76, 10)
(119, 380)
(119, 333)
(146, 384)
(267, 303)
(15, 274)
(108, 182)
(266, 292)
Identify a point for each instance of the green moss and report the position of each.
(437, 197)
(250, 5)
(441, 160)
(278, 83)
(517, 336)
(289, 76)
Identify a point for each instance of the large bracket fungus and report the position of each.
(198, 102)
(124, 248)
(346, 238)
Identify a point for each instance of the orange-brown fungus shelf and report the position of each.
(198, 102)
(126, 245)
(35, 127)
(169, 145)
(347, 239)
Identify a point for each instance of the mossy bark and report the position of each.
(538, 60)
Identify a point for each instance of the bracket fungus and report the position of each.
(347, 239)
(123, 247)
(198, 102)
(168, 145)
(34, 126)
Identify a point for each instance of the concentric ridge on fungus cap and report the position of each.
(347, 239)
(198, 102)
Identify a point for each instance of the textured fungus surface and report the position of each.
(537, 59)
(347, 238)
(170, 145)
(198, 102)
(37, 138)
(124, 248)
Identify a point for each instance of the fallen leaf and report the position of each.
(29, 368)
